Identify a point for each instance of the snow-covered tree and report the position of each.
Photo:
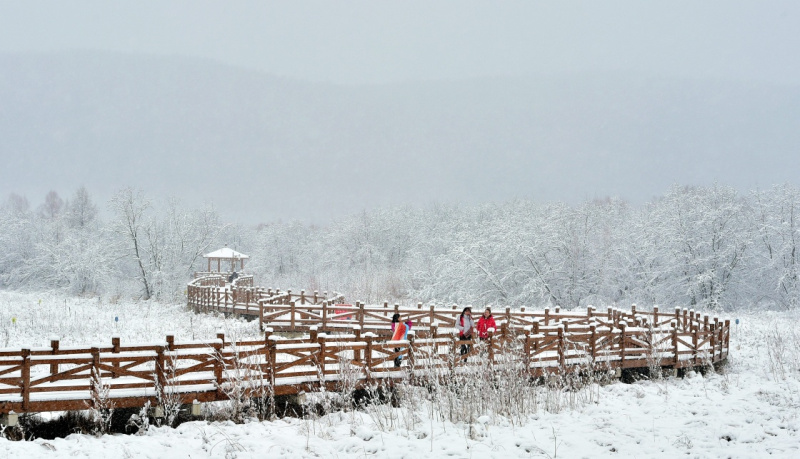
(774, 263)
(131, 225)
(704, 233)
(80, 210)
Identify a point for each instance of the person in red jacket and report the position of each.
(485, 323)
(402, 335)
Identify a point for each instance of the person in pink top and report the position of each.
(485, 323)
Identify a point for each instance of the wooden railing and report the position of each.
(548, 339)
(339, 338)
(296, 316)
(59, 378)
(676, 337)
(212, 292)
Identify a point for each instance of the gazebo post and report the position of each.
(231, 256)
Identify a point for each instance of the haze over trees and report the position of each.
(263, 147)
(702, 247)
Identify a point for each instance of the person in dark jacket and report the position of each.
(485, 323)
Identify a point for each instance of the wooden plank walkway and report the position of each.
(344, 341)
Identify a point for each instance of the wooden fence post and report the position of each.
(54, 344)
(161, 379)
(219, 367)
(272, 358)
(361, 315)
(562, 360)
(368, 337)
(412, 338)
(712, 332)
(115, 345)
(292, 318)
(96, 378)
(727, 336)
(321, 356)
(26, 379)
(490, 343)
(357, 352)
(675, 344)
(527, 349)
(454, 353)
(261, 315)
(622, 326)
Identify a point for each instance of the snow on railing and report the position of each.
(59, 378)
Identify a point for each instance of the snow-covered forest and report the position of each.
(704, 247)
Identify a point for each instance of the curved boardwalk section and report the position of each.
(333, 340)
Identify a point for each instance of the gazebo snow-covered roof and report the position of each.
(228, 255)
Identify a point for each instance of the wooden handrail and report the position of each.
(56, 379)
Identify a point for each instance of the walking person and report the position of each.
(465, 326)
(399, 332)
(486, 323)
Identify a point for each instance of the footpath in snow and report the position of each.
(750, 410)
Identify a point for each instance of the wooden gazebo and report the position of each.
(226, 257)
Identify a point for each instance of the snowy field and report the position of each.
(750, 410)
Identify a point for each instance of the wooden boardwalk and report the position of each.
(339, 340)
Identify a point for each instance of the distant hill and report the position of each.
(263, 147)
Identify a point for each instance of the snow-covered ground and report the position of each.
(752, 409)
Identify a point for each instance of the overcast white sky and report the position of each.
(375, 41)
(605, 132)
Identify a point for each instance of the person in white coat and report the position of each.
(465, 326)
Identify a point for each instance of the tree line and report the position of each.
(701, 247)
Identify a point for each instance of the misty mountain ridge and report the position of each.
(263, 147)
